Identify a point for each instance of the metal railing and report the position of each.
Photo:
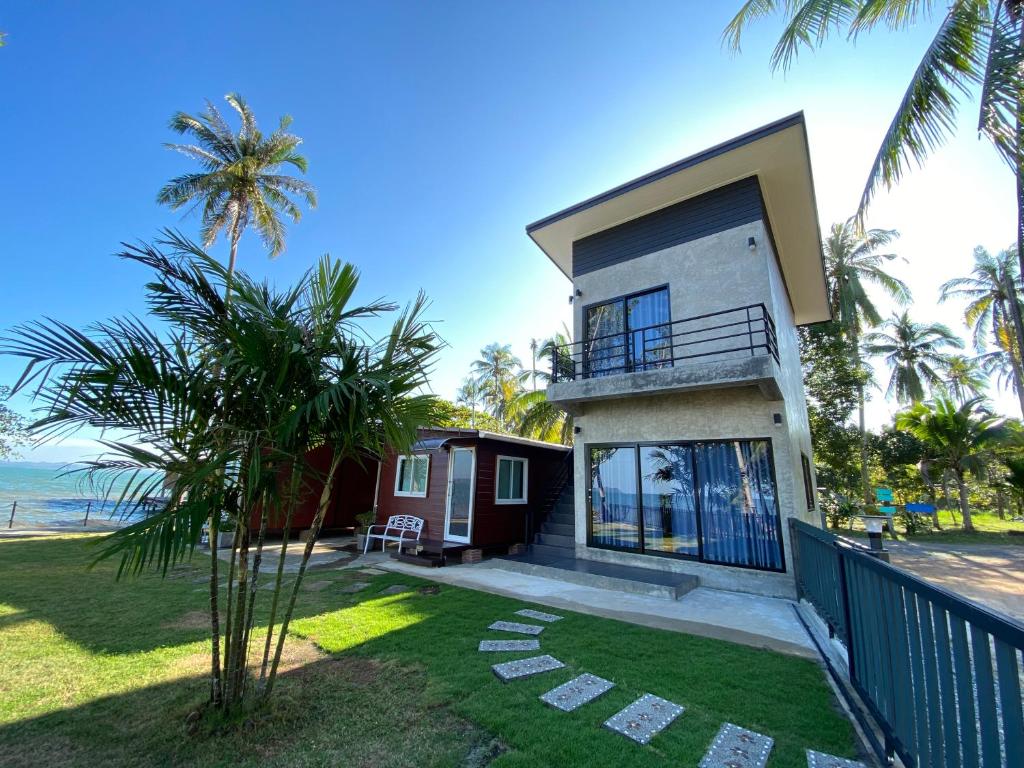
(940, 674)
(729, 333)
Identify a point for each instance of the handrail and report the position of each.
(661, 345)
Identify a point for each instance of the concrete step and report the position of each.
(549, 550)
(554, 540)
(568, 507)
(560, 518)
(558, 530)
(547, 562)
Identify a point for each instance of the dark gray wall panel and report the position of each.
(715, 211)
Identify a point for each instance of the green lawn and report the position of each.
(95, 672)
(989, 529)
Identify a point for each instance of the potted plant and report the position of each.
(363, 521)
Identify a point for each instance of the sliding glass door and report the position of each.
(631, 333)
(710, 500)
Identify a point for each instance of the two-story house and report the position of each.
(692, 445)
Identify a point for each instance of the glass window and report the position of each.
(411, 475)
(670, 514)
(614, 517)
(629, 334)
(738, 512)
(805, 464)
(511, 480)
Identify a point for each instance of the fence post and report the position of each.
(794, 549)
(87, 508)
(845, 597)
(10, 523)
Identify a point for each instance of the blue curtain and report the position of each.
(738, 510)
(650, 347)
(613, 501)
(670, 514)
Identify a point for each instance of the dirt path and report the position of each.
(991, 575)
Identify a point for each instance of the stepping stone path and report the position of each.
(509, 645)
(514, 626)
(736, 747)
(538, 615)
(821, 760)
(577, 692)
(355, 586)
(394, 589)
(535, 665)
(644, 718)
(315, 586)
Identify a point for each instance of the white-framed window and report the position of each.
(512, 480)
(411, 476)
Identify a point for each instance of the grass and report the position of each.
(98, 672)
(989, 529)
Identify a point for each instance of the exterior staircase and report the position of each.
(557, 534)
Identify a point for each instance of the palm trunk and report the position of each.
(1000, 505)
(965, 508)
(325, 499)
(1014, 350)
(216, 683)
(293, 488)
(864, 477)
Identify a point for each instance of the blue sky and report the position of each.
(435, 132)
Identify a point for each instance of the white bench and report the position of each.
(396, 524)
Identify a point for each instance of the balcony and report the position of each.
(732, 347)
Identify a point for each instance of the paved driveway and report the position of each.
(990, 574)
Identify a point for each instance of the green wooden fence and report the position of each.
(940, 674)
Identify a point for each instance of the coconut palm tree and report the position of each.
(470, 395)
(992, 292)
(960, 437)
(852, 262)
(242, 180)
(977, 51)
(916, 353)
(500, 376)
(963, 378)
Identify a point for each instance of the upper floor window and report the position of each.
(512, 480)
(411, 476)
(630, 333)
(805, 464)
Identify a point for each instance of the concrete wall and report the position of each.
(707, 275)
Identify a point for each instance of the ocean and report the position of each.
(48, 497)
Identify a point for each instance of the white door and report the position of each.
(458, 519)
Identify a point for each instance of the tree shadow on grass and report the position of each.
(325, 711)
(48, 579)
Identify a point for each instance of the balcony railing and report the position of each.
(725, 335)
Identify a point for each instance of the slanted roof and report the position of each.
(777, 154)
(435, 443)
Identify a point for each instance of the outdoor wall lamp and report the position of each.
(751, 244)
(575, 296)
(577, 430)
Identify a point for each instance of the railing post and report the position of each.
(88, 507)
(554, 363)
(750, 332)
(844, 596)
(10, 523)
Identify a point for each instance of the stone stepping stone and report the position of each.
(644, 718)
(520, 668)
(538, 615)
(821, 760)
(395, 589)
(355, 586)
(577, 692)
(509, 645)
(736, 747)
(315, 586)
(515, 626)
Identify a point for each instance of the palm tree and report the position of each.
(961, 437)
(500, 377)
(992, 292)
(470, 395)
(535, 416)
(533, 360)
(242, 177)
(963, 378)
(978, 48)
(294, 371)
(853, 261)
(915, 352)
